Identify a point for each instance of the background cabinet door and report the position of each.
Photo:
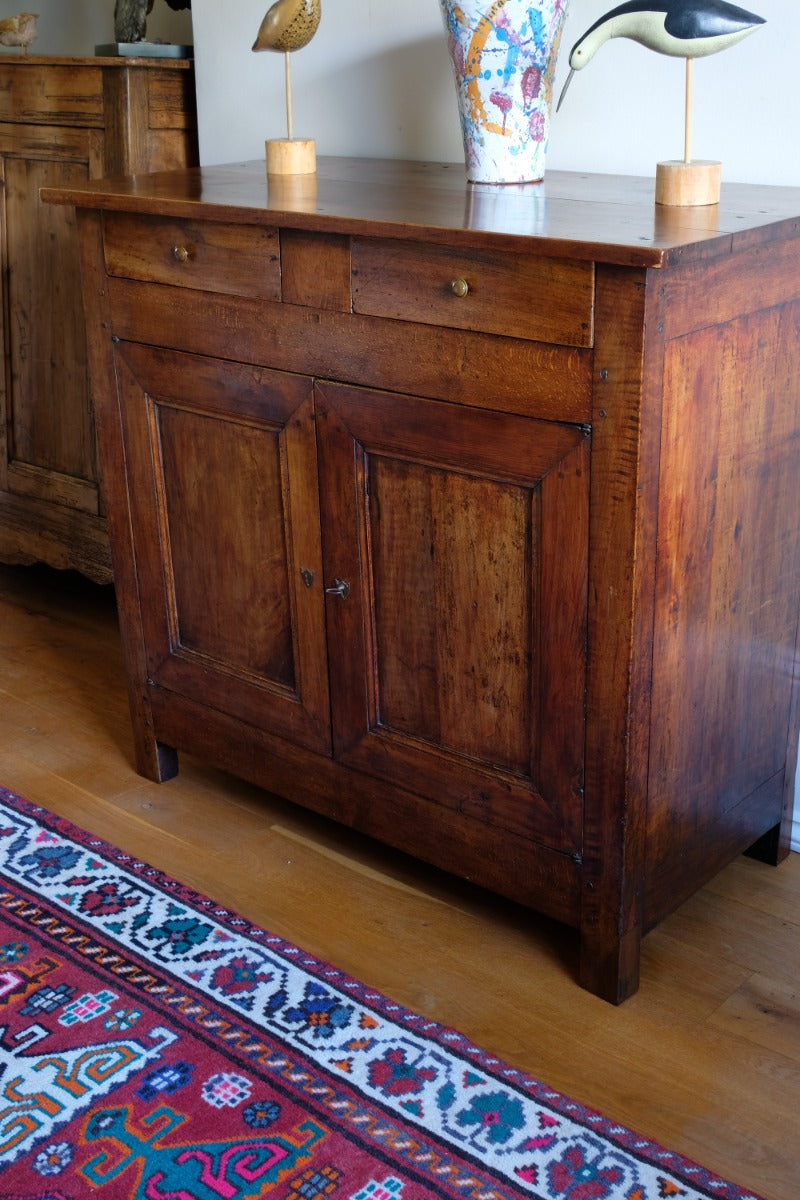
(225, 514)
(50, 448)
(64, 121)
(458, 657)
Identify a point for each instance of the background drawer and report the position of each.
(521, 296)
(237, 260)
(72, 95)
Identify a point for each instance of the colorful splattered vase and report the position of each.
(504, 55)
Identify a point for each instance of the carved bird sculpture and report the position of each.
(20, 30)
(130, 17)
(289, 25)
(680, 28)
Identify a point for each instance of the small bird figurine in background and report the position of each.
(19, 31)
(679, 28)
(289, 25)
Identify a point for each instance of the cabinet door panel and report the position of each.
(226, 522)
(51, 449)
(427, 530)
(458, 656)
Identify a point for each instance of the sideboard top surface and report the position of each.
(608, 218)
(90, 61)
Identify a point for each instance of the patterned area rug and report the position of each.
(155, 1045)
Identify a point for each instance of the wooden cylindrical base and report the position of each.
(291, 156)
(687, 183)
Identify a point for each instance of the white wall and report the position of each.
(376, 81)
(75, 27)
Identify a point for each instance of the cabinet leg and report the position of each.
(167, 760)
(154, 760)
(772, 847)
(609, 967)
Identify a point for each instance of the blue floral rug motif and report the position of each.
(156, 1046)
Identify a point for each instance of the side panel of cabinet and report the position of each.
(726, 596)
(223, 495)
(458, 653)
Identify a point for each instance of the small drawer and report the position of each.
(237, 260)
(516, 295)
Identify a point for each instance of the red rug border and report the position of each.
(451, 1040)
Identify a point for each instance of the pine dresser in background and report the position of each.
(63, 121)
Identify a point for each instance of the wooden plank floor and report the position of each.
(704, 1059)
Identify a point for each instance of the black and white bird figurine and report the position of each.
(679, 28)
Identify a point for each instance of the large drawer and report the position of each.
(515, 295)
(236, 260)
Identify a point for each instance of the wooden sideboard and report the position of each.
(63, 121)
(466, 516)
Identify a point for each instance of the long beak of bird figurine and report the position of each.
(289, 25)
(686, 29)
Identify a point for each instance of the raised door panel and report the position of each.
(458, 652)
(50, 446)
(223, 494)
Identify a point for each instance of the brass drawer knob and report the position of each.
(459, 287)
(180, 254)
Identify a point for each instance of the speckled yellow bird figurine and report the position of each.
(19, 31)
(289, 25)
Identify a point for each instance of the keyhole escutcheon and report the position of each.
(340, 588)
